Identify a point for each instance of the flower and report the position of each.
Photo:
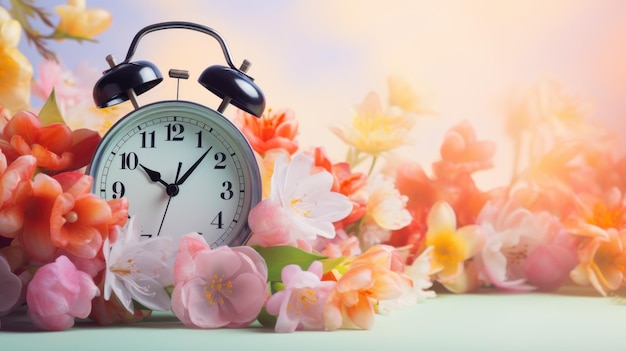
(11, 287)
(15, 70)
(375, 131)
(451, 246)
(369, 278)
(61, 213)
(222, 287)
(519, 243)
(81, 22)
(58, 293)
(385, 204)
(273, 130)
(15, 187)
(300, 304)
(601, 227)
(138, 270)
(462, 154)
(56, 147)
(300, 207)
(420, 274)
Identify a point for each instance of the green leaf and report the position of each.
(277, 257)
(337, 262)
(50, 112)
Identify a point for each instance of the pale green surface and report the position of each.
(492, 321)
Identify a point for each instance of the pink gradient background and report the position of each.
(320, 57)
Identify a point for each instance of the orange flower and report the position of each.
(600, 224)
(273, 130)
(372, 276)
(55, 146)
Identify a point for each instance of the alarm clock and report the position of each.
(182, 166)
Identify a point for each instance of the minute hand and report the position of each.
(192, 168)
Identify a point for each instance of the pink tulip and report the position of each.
(58, 293)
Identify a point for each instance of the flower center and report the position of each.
(301, 300)
(448, 249)
(604, 217)
(218, 289)
(294, 205)
(71, 217)
(125, 269)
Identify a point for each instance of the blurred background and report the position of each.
(321, 57)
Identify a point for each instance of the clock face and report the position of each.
(183, 168)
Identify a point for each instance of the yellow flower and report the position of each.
(452, 247)
(81, 22)
(374, 131)
(16, 71)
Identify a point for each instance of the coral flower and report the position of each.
(375, 131)
(55, 146)
(214, 288)
(273, 130)
(451, 246)
(300, 305)
(81, 22)
(78, 218)
(58, 293)
(462, 153)
(16, 71)
(15, 187)
(371, 277)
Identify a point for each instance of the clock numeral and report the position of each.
(147, 139)
(227, 194)
(118, 189)
(220, 157)
(174, 132)
(217, 221)
(199, 134)
(129, 160)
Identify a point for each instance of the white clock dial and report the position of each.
(183, 168)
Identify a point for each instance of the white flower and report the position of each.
(385, 203)
(139, 269)
(301, 205)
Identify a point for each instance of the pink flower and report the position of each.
(523, 247)
(301, 304)
(222, 287)
(58, 293)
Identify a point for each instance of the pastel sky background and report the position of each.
(321, 57)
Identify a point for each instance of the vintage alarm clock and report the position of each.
(183, 166)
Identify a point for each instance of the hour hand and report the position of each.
(154, 175)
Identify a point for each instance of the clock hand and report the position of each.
(154, 175)
(172, 190)
(193, 168)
